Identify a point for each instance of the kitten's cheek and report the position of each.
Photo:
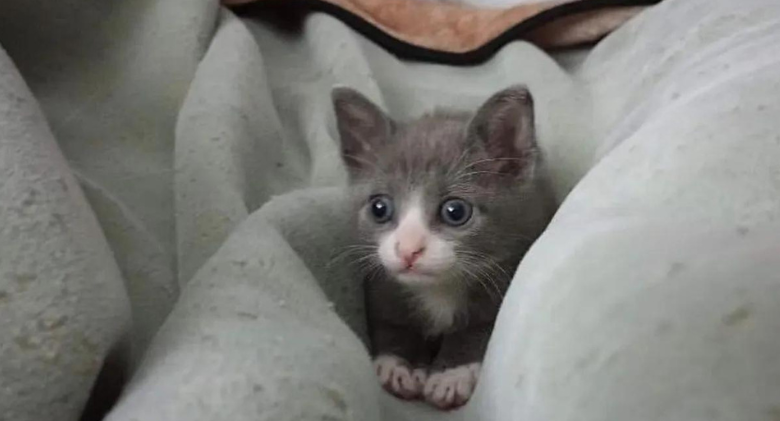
(440, 256)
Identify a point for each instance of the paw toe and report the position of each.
(397, 377)
(403, 384)
(420, 376)
(451, 388)
(430, 384)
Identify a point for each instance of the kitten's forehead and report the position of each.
(431, 156)
(433, 143)
(414, 206)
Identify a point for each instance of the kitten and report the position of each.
(446, 206)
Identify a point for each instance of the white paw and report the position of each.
(397, 378)
(452, 387)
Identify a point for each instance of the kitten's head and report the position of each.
(440, 198)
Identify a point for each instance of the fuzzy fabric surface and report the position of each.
(172, 202)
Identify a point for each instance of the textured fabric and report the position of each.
(172, 211)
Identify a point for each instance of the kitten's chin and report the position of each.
(416, 278)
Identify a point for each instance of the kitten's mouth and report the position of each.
(413, 274)
(414, 270)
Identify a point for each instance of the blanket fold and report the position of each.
(172, 192)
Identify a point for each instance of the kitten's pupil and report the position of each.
(455, 212)
(381, 208)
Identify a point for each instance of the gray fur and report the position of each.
(489, 158)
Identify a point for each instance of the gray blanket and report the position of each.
(171, 203)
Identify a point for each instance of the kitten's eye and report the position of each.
(381, 208)
(455, 212)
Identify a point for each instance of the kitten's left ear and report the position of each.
(362, 126)
(504, 125)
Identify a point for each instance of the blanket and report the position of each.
(455, 33)
(172, 199)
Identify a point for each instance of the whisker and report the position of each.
(486, 267)
(480, 161)
(350, 251)
(365, 161)
(475, 268)
(372, 273)
(464, 275)
(461, 158)
(484, 279)
(490, 279)
(472, 173)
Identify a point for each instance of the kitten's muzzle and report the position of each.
(409, 252)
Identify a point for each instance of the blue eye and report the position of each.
(455, 212)
(381, 208)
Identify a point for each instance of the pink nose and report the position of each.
(409, 252)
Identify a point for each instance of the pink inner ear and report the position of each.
(362, 126)
(505, 161)
(505, 124)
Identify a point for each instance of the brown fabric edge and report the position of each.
(457, 34)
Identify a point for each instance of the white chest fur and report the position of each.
(440, 306)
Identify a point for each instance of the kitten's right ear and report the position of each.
(362, 127)
(504, 125)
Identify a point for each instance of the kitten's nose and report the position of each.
(409, 251)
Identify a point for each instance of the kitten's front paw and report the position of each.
(398, 378)
(453, 387)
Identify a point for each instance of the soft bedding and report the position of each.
(171, 200)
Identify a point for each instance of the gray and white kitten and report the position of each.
(446, 206)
